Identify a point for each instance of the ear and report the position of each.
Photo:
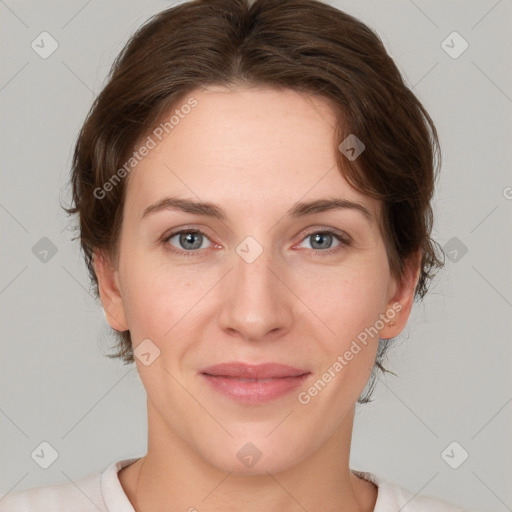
(110, 294)
(401, 299)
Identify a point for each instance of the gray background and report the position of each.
(453, 364)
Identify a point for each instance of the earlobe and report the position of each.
(110, 294)
(400, 304)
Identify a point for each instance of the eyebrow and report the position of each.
(297, 210)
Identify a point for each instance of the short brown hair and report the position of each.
(304, 45)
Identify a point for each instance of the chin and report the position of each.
(258, 457)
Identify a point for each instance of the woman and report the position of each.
(253, 187)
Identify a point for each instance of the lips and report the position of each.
(252, 372)
(253, 384)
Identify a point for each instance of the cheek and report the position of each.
(145, 291)
(160, 300)
(347, 299)
(345, 343)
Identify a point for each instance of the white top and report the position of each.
(103, 492)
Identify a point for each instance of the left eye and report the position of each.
(322, 240)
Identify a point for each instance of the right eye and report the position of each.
(189, 241)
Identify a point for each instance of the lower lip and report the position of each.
(254, 392)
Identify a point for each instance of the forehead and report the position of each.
(248, 145)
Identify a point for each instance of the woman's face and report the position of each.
(255, 278)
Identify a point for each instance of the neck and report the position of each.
(172, 477)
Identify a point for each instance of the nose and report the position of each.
(256, 304)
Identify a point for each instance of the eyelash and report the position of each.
(344, 242)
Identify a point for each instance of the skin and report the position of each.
(255, 153)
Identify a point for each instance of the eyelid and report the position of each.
(185, 229)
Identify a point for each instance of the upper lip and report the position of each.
(253, 371)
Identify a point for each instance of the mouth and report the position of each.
(253, 384)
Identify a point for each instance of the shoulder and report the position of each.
(97, 492)
(83, 495)
(392, 498)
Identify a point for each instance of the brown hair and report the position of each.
(304, 45)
